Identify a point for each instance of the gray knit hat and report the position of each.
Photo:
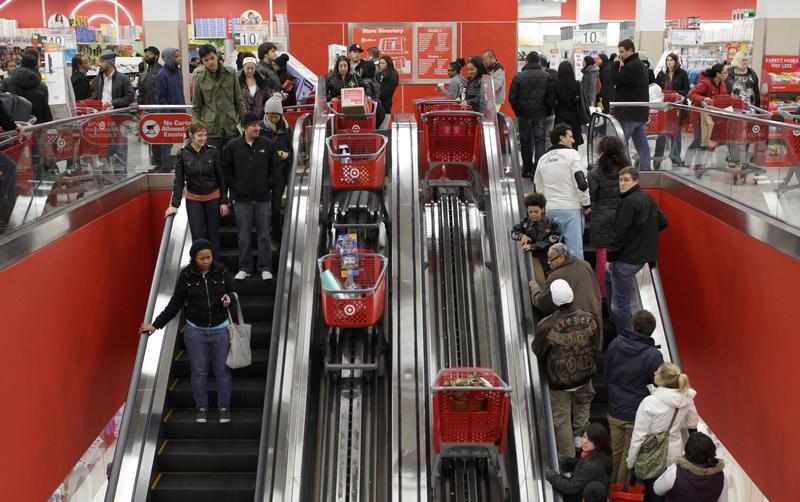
(274, 104)
(109, 57)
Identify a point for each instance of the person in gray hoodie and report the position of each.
(591, 74)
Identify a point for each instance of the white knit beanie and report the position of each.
(274, 104)
(561, 292)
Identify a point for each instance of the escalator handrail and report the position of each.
(666, 323)
(552, 456)
(278, 307)
(127, 415)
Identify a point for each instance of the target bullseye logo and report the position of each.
(356, 128)
(349, 309)
(61, 143)
(796, 132)
(756, 129)
(352, 173)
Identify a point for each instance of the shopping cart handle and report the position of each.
(789, 112)
(458, 388)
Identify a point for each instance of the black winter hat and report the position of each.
(282, 60)
(249, 118)
(199, 245)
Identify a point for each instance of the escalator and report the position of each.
(163, 454)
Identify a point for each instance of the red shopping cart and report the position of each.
(355, 308)
(450, 139)
(22, 155)
(791, 138)
(346, 122)
(437, 104)
(292, 113)
(470, 415)
(632, 493)
(357, 161)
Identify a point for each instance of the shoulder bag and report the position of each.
(651, 461)
(239, 354)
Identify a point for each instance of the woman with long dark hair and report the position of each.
(471, 95)
(604, 194)
(340, 77)
(568, 99)
(388, 78)
(253, 86)
(672, 78)
(593, 467)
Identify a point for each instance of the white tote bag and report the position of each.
(239, 354)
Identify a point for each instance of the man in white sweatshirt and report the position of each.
(561, 177)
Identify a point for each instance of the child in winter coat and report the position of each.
(278, 130)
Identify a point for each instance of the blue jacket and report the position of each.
(169, 87)
(629, 366)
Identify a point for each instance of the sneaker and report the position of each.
(224, 415)
(202, 416)
(241, 275)
(266, 275)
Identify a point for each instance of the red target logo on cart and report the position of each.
(349, 310)
(756, 129)
(352, 174)
(356, 128)
(796, 132)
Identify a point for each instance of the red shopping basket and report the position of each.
(361, 169)
(470, 415)
(666, 121)
(352, 123)
(355, 308)
(292, 113)
(95, 104)
(450, 138)
(634, 493)
(434, 105)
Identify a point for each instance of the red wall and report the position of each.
(733, 304)
(315, 25)
(69, 345)
(29, 14)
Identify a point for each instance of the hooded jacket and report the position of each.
(217, 101)
(580, 277)
(631, 83)
(169, 81)
(27, 83)
(498, 74)
(147, 84)
(604, 194)
(122, 94)
(199, 296)
(629, 366)
(532, 93)
(654, 415)
(6, 120)
(591, 74)
(687, 482)
(706, 88)
(200, 172)
(637, 222)
(567, 339)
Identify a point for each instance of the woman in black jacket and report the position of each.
(204, 289)
(604, 194)
(568, 99)
(198, 167)
(593, 466)
(388, 78)
(672, 78)
(339, 78)
(471, 92)
(607, 83)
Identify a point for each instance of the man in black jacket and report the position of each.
(531, 97)
(147, 96)
(80, 82)
(249, 168)
(26, 82)
(637, 222)
(267, 53)
(631, 85)
(114, 89)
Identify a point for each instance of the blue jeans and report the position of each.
(638, 131)
(204, 346)
(572, 224)
(531, 135)
(675, 154)
(619, 286)
(260, 213)
(204, 222)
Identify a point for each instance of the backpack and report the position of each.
(19, 108)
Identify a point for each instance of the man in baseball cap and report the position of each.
(361, 68)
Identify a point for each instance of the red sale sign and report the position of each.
(164, 128)
(110, 130)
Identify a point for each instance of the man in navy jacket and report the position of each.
(169, 91)
(630, 364)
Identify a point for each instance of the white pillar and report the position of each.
(165, 26)
(650, 21)
(776, 30)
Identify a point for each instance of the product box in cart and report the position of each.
(353, 101)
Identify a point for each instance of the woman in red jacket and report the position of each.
(711, 84)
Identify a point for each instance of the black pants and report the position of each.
(531, 135)
(277, 214)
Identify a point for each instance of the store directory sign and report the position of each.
(434, 51)
(393, 41)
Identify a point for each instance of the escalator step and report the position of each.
(204, 487)
(246, 393)
(245, 424)
(258, 368)
(230, 257)
(208, 455)
(256, 308)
